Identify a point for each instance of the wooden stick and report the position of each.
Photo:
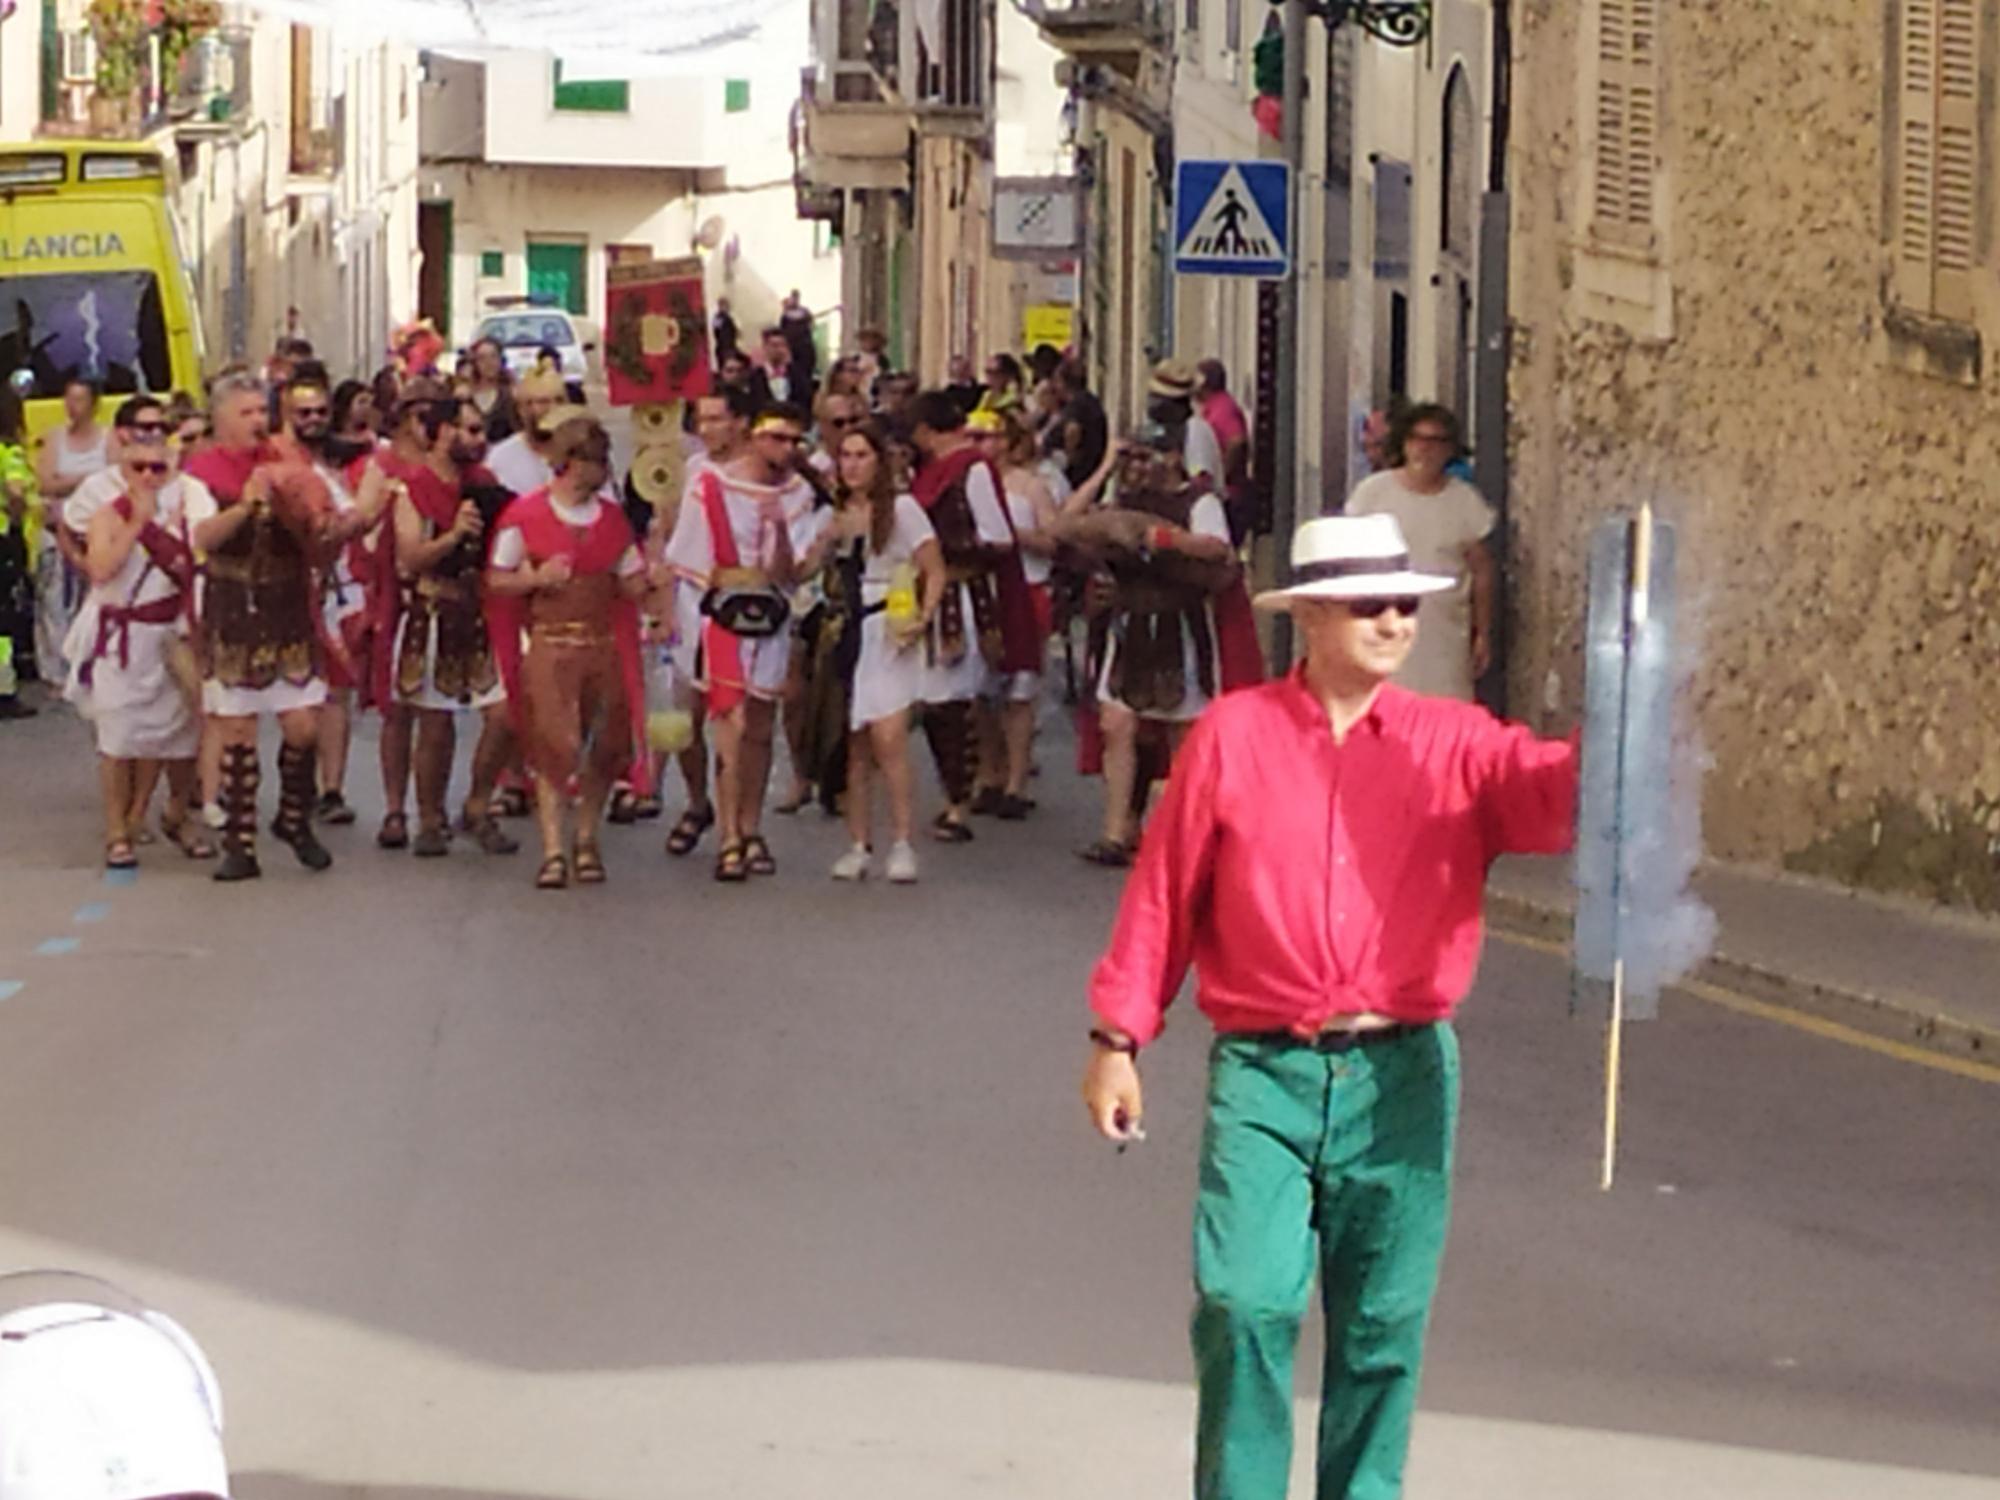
(1613, 1066)
(1639, 595)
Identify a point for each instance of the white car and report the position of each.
(522, 333)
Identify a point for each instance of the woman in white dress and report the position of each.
(130, 669)
(892, 555)
(70, 454)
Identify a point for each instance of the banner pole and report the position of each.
(1613, 1065)
(1639, 605)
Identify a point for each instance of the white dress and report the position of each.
(133, 700)
(888, 677)
(753, 511)
(58, 586)
(1207, 518)
(1439, 529)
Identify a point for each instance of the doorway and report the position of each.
(434, 265)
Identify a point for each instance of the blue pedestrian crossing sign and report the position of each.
(1233, 218)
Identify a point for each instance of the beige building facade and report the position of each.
(293, 153)
(1755, 280)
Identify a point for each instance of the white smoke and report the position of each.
(1664, 930)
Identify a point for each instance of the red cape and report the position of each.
(597, 551)
(227, 470)
(1021, 645)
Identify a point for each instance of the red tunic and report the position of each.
(598, 550)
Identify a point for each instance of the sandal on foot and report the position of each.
(493, 839)
(757, 857)
(799, 798)
(624, 807)
(394, 833)
(553, 875)
(1014, 809)
(187, 838)
(729, 866)
(1107, 852)
(589, 864)
(431, 843)
(987, 801)
(332, 808)
(687, 833)
(118, 855)
(949, 830)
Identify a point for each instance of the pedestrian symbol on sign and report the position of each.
(1231, 218)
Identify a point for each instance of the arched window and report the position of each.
(1461, 169)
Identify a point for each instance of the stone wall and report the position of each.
(1840, 516)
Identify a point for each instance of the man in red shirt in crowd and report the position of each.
(1320, 857)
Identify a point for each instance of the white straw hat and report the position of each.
(1352, 557)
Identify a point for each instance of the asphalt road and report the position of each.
(674, 1189)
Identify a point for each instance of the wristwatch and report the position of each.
(1111, 1043)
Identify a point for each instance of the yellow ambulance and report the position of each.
(92, 278)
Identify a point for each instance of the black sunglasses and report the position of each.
(1368, 609)
(149, 426)
(148, 466)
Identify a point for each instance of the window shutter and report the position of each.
(1937, 156)
(1628, 121)
(1957, 156)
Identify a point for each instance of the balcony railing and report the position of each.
(1104, 22)
(953, 69)
(214, 83)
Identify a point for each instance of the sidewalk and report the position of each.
(1885, 965)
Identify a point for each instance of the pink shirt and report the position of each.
(1220, 411)
(1306, 880)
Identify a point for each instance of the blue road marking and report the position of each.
(121, 877)
(9, 988)
(53, 947)
(96, 911)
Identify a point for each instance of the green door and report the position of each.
(556, 271)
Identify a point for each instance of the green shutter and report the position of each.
(492, 263)
(735, 95)
(593, 96)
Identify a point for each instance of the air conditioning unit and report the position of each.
(79, 56)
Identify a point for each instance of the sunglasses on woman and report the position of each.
(151, 466)
(1368, 609)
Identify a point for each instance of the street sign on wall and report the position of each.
(1233, 218)
(1035, 218)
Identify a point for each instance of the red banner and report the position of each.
(656, 333)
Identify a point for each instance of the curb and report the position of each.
(1903, 1017)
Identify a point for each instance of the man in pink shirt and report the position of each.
(1320, 858)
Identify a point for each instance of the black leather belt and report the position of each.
(1342, 1041)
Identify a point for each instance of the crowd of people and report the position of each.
(851, 559)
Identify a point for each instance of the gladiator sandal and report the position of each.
(948, 727)
(298, 785)
(237, 794)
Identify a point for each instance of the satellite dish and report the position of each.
(710, 233)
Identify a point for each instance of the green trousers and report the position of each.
(1335, 1162)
